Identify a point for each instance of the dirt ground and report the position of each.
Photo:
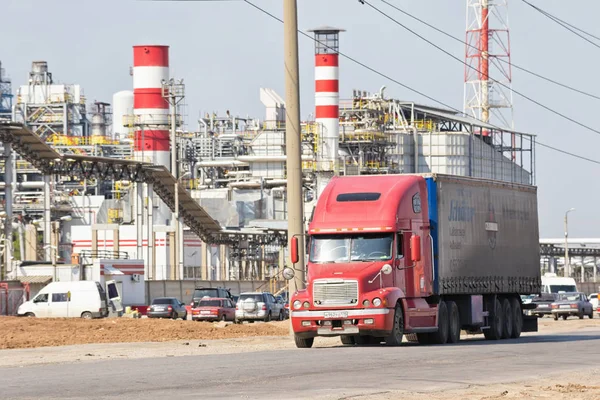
(33, 332)
(582, 386)
(31, 341)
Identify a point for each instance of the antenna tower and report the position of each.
(488, 76)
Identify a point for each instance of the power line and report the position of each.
(499, 59)
(475, 69)
(412, 89)
(565, 24)
(394, 80)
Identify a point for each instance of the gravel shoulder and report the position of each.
(28, 341)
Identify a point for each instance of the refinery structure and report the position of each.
(124, 179)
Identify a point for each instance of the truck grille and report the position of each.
(327, 293)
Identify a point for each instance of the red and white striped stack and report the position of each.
(150, 68)
(327, 113)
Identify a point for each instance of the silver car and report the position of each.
(575, 303)
(258, 306)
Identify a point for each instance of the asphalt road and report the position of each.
(332, 373)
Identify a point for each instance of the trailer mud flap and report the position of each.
(530, 323)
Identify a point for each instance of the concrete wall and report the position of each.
(589, 287)
(184, 290)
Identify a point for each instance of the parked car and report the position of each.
(210, 292)
(574, 303)
(543, 304)
(85, 299)
(167, 307)
(213, 310)
(594, 300)
(258, 306)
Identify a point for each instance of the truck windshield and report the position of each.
(346, 248)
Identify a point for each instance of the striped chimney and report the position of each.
(151, 110)
(327, 97)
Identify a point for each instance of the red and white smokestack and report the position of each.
(327, 96)
(151, 110)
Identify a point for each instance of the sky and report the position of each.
(227, 51)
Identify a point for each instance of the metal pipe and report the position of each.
(567, 271)
(293, 137)
(23, 185)
(175, 247)
(8, 208)
(150, 225)
(416, 149)
(224, 163)
(47, 217)
(139, 223)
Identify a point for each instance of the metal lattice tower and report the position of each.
(488, 76)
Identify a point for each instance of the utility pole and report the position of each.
(293, 140)
(174, 92)
(567, 260)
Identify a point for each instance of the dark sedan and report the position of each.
(167, 307)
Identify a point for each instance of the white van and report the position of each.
(85, 299)
(555, 284)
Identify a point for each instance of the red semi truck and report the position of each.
(421, 256)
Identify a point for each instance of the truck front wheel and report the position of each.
(347, 340)
(395, 337)
(303, 343)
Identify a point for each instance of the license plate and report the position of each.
(335, 314)
(542, 306)
(565, 306)
(204, 312)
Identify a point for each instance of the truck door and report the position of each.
(114, 296)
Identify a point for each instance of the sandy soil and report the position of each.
(584, 385)
(33, 332)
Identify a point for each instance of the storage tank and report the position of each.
(122, 106)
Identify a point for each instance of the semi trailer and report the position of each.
(421, 256)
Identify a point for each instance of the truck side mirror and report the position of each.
(294, 249)
(415, 248)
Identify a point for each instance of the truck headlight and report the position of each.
(297, 304)
(376, 301)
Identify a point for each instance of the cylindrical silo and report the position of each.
(122, 105)
(150, 69)
(98, 125)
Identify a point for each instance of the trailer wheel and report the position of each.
(303, 343)
(507, 326)
(495, 319)
(441, 336)
(395, 338)
(347, 340)
(453, 322)
(517, 315)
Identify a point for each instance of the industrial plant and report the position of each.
(125, 179)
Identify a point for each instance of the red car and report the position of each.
(213, 309)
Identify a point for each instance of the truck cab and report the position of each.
(368, 251)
